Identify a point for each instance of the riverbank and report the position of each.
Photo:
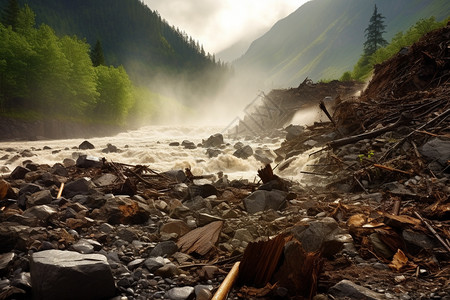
(12, 129)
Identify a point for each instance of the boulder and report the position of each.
(41, 213)
(244, 152)
(436, 149)
(213, 152)
(188, 145)
(215, 140)
(262, 200)
(59, 169)
(86, 145)
(110, 149)
(154, 263)
(293, 131)
(59, 274)
(321, 235)
(40, 198)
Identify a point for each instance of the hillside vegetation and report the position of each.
(324, 38)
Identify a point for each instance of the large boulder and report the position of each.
(262, 200)
(244, 152)
(85, 145)
(59, 274)
(436, 149)
(215, 140)
(321, 235)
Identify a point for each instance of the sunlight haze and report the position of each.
(219, 24)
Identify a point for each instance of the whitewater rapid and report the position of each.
(150, 146)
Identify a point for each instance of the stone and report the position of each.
(178, 227)
(135, 263)
(178, 175)
(69, 162)
(294, 131)
(40, 212)
(188, 145)
(105, 180)
(203, 292)
(243, 235)
(5, 187)
(85, 161)
(174, 144)
(29, 188)
(262, 200)
(213, 152)
(110, 149)
(59, 169)
(436, 149)
(203, 191)
(215, 140)
(40, 198)
(83, 246)
(196, 203)
(167, 271)
(78, 187)
(204, 219)
(123, 210)
(244, 152)
(154, 263)
(19, 173)
(166, 248)
(322, 235)
(59, 274)
(85, 145)
(180, 293)
(416, 239)
(127, 234)
(106, 228)
(350, 290)
(5, 260)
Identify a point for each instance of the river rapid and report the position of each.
(150, 146)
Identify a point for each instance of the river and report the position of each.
(150, 146)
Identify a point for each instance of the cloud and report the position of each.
(219, 24)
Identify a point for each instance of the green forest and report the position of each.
(85, 71)
(364, 67)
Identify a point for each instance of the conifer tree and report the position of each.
(11, 13)
(374, 33)
(97, 55)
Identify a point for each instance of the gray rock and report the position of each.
(244, 152)
(262, 200)
(203, 292)
(59, 169)
(243, 235)
(5, 260)
(164, 248)
(110, 149)
(293, 131)
(127, 234)
(215, 140)
(350, 290)
(84, 161)
(213, 152)
(78, 187)
(168, 271)
(59, 274)
(436, 149)
(179, 175)
(188, 145)
(85, 145)
(418, 239)
(105, 180)
(154, 263)
(69, 162)
(40, 212)
(204, 219)
(29, 188)
(106, 228)
(135, 263)
(321, 235)
(203, 191)
(19, 173)
(40, 198)
(180, 293)
(83, 246)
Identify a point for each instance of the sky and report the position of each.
(219, 24)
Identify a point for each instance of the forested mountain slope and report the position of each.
(324, 38)
(131, 35)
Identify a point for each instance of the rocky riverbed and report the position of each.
(371, 221)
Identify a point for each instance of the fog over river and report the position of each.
(150, 146)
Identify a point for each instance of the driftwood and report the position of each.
(61, 188)
(368, 135)
(228, 282)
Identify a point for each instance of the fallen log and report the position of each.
(403, 119)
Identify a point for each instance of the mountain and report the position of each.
(132, 35)
(324, 38)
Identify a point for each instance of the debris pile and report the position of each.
(368, 221)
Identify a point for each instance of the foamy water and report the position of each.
(150, 146)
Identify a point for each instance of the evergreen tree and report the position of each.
(374, 34)
(97, 55)
(11, 13)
